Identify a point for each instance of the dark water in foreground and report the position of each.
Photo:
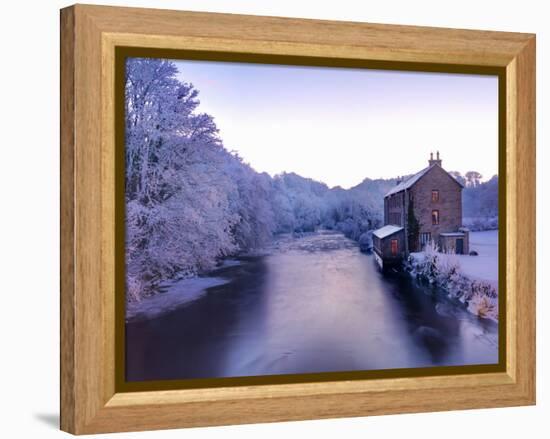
(315, 304)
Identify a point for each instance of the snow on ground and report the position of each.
(174, 295)
(229, 263)
(473, 280)
(485, 265)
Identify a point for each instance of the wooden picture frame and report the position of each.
(91, 402)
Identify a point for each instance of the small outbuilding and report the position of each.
(389, 246)
(455, 242)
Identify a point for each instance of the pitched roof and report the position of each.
(385, 231)
(406, 184)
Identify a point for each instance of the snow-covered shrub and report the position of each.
(457, 284)
(483, 300)
(134, 289)
(443, 271)
(349, 228)
(427, 267)
(477, 224)
(483, 306)
(365, 241)
(447, 267)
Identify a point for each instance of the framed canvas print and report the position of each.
(267, 219)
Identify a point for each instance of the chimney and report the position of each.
(437, 161)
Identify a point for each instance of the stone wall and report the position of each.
(449, 204)
(449, 243)
(393, 210)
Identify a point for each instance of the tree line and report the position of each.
(190, 202)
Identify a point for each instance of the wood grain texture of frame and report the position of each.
(90, 36)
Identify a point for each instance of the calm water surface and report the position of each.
(314, 304)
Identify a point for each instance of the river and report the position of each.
(309, 304)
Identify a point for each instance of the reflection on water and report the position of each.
(315, 304)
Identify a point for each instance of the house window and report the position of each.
(425, 238)
(435, 196)
(435, 217)
(394, 247)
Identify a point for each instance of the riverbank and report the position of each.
(172, 295)
(175, 293)
(472, 280)
(311, 303)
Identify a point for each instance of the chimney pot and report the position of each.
(437, 160)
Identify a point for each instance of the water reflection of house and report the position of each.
(425, 207)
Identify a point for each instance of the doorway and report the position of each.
(459, 246)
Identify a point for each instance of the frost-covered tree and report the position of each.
(190, 202)
(480, 205)
(473, 178)
(178, 211)
(458, 177)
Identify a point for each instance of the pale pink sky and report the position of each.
(340, 126)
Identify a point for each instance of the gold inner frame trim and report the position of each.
(115, 73)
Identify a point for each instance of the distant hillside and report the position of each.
(303, 205)
(479, 199)
(373, 191)
(480, 205)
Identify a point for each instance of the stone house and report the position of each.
(425, 207)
